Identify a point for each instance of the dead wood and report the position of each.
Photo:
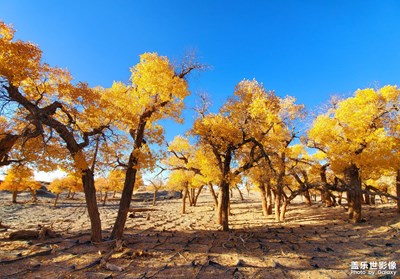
(24, 235)
(42, 234)
(42, 253)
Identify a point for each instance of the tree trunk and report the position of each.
(189, 195)
(130, 179)
(34, 197)
(56, 199)
(372, 199)
(197, 195)
(278, 198)
(223, 205)
(240, 193)
(340, 194)
(105, 197)
(185, 193)
(264, 199)
(307, 197)
(91, 202)
(73, 195)
(350, 204)
(353, 180)
(325, 195)
(124, 204)
(398, 190)
(69, 194)
(231, 193)
(115, 192)
(214, 195)
(283, 210)
(269, 198)
(154, 198)
(14, 196)
(367, 199)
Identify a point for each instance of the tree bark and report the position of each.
(189, 196)
(264, 199)
(91, 202)
(307, 197)
(340, 194)
(14, 196)
(269, 198)
(367, 199)
(197, 195)
(214, 195)
(283, 210)
(278, 198)
(34, 197)
(185, 193)
(154, 198)
(223, 205)
(373, 199)
(130, 179)
(56, 199)
(119, 225)
(398, 190)
(105, 197)
(353, 180)
(240, 193)
(6, 144)
(325, 195)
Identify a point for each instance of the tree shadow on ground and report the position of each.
(315, 242)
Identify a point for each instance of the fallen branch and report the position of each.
(30, 234)
(42, 253)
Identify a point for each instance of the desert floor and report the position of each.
(314, 242)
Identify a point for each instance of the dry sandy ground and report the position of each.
(315, 242)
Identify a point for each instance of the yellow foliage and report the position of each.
(355, 131)
(19, 178)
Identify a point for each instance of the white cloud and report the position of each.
(49, 176)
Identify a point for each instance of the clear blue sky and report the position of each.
(307, 49)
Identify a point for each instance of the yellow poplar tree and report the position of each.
(54, 106)
(19, 178)
(156, 92)
(352, 134)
